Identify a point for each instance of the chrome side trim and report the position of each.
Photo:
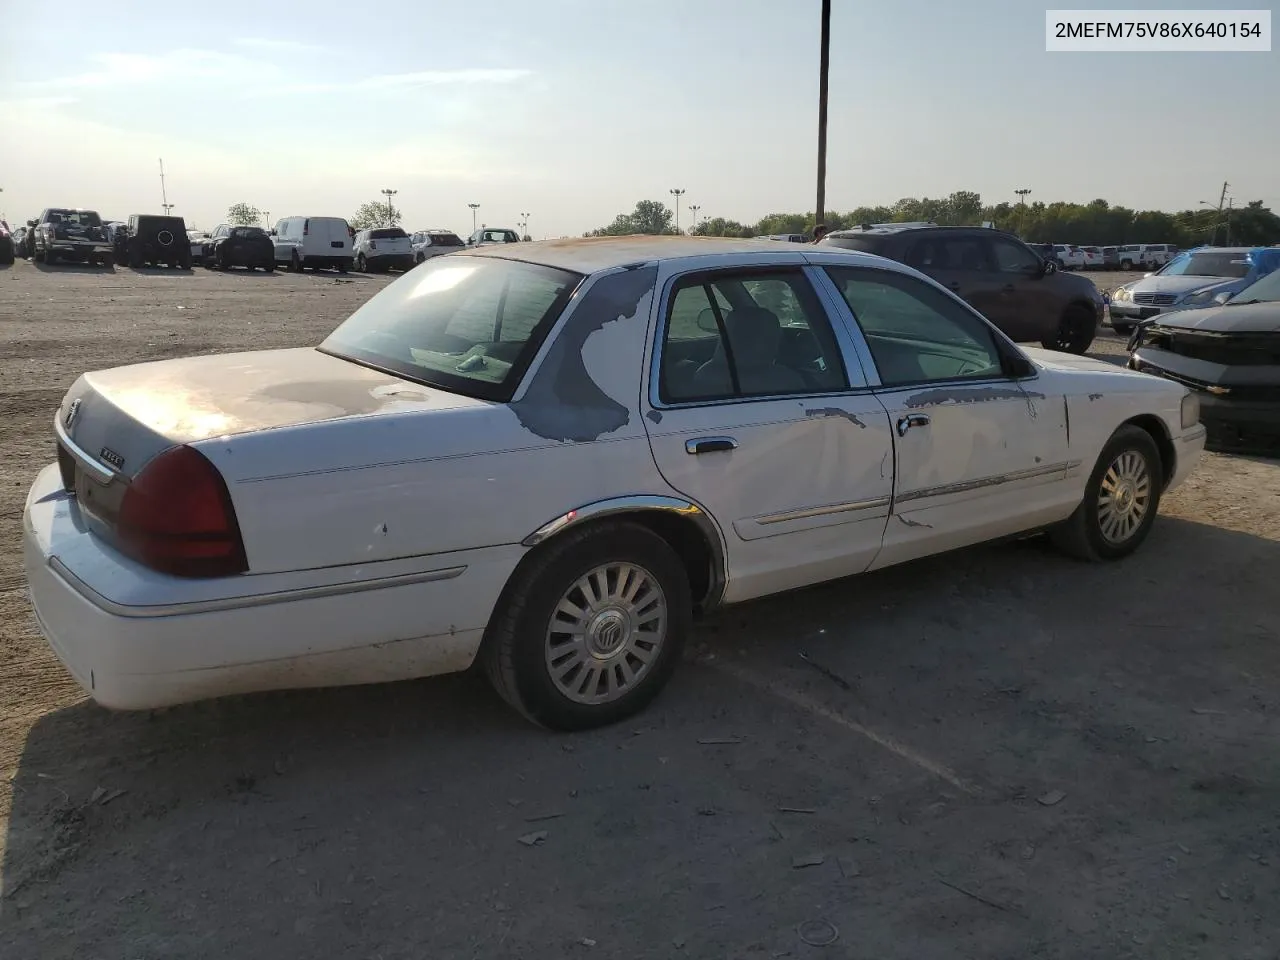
(256, 600)
(640, 503)
(967, 485)
(808, 512)
(100, 471)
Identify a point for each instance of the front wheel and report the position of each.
(1120, 500)
(1075, 332)
(590, 631)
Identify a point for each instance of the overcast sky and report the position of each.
(572, 110)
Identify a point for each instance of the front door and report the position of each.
(977, 455)
(1024, 307)
(759, 413)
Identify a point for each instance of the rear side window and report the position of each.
(947, 253)
(471, 325)
(747, 334)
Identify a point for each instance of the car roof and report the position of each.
(592, 254)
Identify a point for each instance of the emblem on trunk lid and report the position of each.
(73, 411)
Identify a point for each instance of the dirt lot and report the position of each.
(1021, 756)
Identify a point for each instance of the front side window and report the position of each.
(470, 325)
(1014, 257)
(747, 334)
(916, 333)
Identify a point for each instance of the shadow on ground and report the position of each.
(760, 792)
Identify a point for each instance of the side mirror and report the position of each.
(1222, 298)
(1049, 266)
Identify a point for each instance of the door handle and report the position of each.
(911, 420)
(710, 445)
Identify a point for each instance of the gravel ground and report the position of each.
(1005, 754)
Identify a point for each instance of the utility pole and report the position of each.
(824, 67)
(164, 196)
(1022, 195)
(677, 193)
(1221, 200)
(524, 227)
(474, 207)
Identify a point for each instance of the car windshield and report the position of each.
(1267, 289)
(83, 218)
(466, 324)
(1207, 263)
(389, 233)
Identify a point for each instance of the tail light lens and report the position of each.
(177, 518)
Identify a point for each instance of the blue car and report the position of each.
(1195, 278)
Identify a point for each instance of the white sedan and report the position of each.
(548, 457)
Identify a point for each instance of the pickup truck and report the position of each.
(62, 233)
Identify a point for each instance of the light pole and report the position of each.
(524, 226)
(694, 208)
(391, 213)
(824, 68)
(1022, 195)
(678, 192)
(474, 207)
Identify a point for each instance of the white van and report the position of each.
(1144, 255)
(313, 242)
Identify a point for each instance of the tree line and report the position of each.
(1097, 222)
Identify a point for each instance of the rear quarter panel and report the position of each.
(364, 489)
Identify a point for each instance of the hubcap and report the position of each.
(1124, 497)
(606, 633)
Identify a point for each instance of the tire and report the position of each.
(50, 257)
(135, 257)
(1126, 264)
(270, 267)
(1084, 534)
(344, 266)
(1075, 333)
(362, 265)
(295, 264)
(518, 646)
(7, 255)
(185, 262)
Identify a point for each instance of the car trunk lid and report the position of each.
(112, 423)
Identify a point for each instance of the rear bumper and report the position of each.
(136, 640)
(397, 261)
(80, 248)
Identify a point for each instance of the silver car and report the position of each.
(1194, 278)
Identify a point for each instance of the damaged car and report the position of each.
(63, 233)
(547, 458)
(1230, 355)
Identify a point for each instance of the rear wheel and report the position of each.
(1120, 501)
(270, 267)
(1075, 332)
(361, 264)
(590, 631)
(295, 263)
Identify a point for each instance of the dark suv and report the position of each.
(1020, 292)
(153, 239)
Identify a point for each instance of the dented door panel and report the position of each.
(974, 461)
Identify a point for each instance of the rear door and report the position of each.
(758, 410)
(961, 262)
(339, 237)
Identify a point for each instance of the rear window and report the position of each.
(466, 324)
(82, 218)
(445, 240)
(248, 232)
(387, 233)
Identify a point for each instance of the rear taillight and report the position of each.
(176, 517)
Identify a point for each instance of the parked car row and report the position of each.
(295, 243)
(1131, 256)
